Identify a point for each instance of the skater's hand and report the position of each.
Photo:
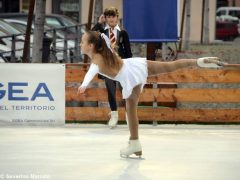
(101, 19)
(81, 90)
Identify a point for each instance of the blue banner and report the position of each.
(151, 20)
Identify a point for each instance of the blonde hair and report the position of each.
(110, 59)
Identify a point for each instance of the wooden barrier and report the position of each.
(223, 94)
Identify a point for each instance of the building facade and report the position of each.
(234, 3)
(78, 10)
(9, 6)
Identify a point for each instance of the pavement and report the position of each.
(227, 51)
(91, 152)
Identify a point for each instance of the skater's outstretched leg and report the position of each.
(157, 67)
(134, 146)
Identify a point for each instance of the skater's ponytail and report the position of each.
(101, 46)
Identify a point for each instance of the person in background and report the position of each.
(108, 24)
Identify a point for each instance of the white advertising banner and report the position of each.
(32, 94)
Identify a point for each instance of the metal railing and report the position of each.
(62, 49)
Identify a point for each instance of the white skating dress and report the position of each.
(133, 72)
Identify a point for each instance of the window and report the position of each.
(53, 22)
(235, 13)
(220, 13)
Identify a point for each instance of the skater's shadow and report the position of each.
(132, 169)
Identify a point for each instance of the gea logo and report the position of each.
(15, 92)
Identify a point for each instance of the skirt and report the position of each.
(133, 72)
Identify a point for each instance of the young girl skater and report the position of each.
(132, 75)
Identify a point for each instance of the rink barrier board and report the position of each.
(162, 95)
(88, 114)
(165, 94)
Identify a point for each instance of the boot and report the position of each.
(210, 62)
(134, 147)
(112, 123)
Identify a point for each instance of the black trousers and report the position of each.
(111, 90)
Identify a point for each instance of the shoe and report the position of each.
(112, 123)
(134, 147)
(210, 62)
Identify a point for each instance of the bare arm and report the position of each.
(93, 70)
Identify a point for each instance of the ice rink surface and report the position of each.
(91, 152)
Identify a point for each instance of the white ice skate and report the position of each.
(210, 62)
(112, 123)
(134, 147)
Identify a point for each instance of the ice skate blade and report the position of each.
(132, 157)
(232, 66)
(138, 155)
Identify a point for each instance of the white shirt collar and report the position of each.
(116, 27)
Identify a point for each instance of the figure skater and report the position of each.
(132, 75)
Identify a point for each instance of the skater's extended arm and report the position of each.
(93, 70)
